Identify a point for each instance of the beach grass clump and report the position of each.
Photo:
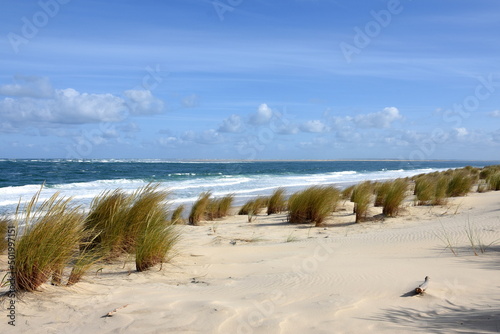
(88, 255)
(431, 189)
(177, 217)
(199, 208)
(50, 239)
(441, 191)
(395, 197)
(460, 183)
(4, 223)
(156, 241)
(361, 197)
(488, 170)
(346, 193)
(482, 186)
(277, 201)
(207, 208)
(254, 206)
(219, 207)
(106, 222)
(381, 189)
(146, 199)
(425, 189)
(313, 204)
(493, 181)
(224, 205)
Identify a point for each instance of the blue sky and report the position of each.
(250, 79)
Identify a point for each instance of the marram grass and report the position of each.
(207, 208)
(52, 232)
(145, 200)
(219, 207)
(254, 206)
(395, 197)
(312, 205)
(176, 217)
(4, 223)
(199, 208)
(277, 202)
(155, 242)
(88, 256)
(460, 183)
(381, 190)
(361, 197)
(106, 221)
(493, 181)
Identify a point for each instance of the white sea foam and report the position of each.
(187, 190)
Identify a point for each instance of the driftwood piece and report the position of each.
(421, 288)
(110, 314)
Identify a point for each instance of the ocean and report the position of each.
(82, 180)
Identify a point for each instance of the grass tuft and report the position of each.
(176, 217)
(106, 222)
(254, 206)
(157, 238)
(460, 184)
(199, 208)
(219, 207)
(145, 200)
(425, 189)
(4, 223)
(277, 202)
(381, 190)
(395, 197)
(88, 255)
(51, 236)
(312, 205)
(493, 181)
(361, 197)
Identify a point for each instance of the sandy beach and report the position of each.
(268, 276)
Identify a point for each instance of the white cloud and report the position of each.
(170, 142)
(232, 124)
(381, 119)
(209, 137)
(461, 132)
(67, 106)
(28, 86)
(32, 101)
(142, 102)
(314, 126)
(262, 116)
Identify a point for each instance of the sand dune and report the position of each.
(267, 276)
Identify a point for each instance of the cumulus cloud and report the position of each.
(381, 119)
(232, 124)
(142, 102)
(32, 101)
(461, 132)
(67, 106)
(314, 126)
(210, 136)
(28, 86)
(262, 116)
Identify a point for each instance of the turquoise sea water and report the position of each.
(83, 180)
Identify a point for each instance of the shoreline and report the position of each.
(271, 276)
(241, 160)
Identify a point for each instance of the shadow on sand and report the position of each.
(446, 319)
